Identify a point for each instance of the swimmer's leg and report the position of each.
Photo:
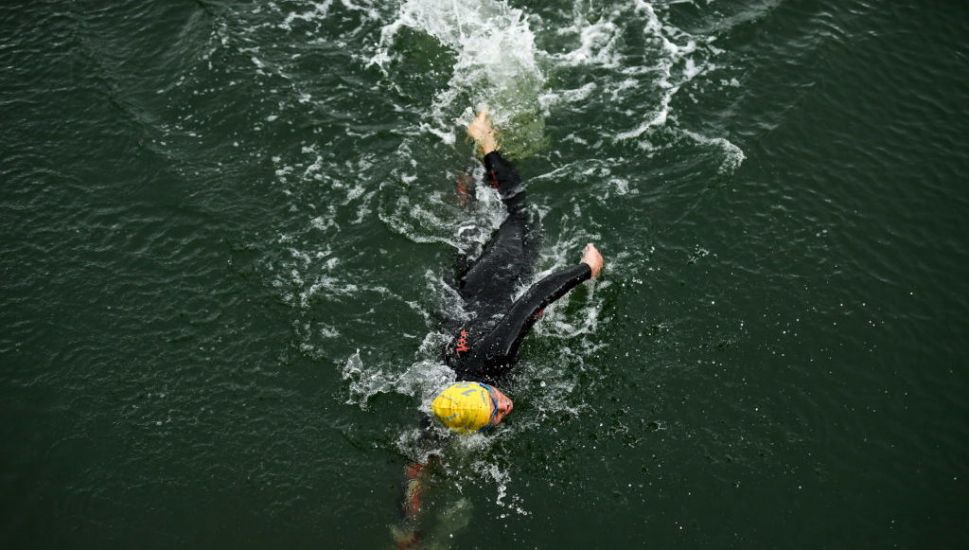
(506, 261)
(508, 256)
(502, 176)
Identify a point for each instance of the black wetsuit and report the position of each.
(485, 348)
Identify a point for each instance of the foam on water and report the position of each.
(498, 64)
(733, 155)
(495, 65)
(669, 61)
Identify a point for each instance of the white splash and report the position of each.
(733, 155)
(495, 66)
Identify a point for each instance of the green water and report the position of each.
(226, 228)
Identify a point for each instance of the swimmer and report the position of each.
(483, 350)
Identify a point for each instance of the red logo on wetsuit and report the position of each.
(462, 342)
(494, 180)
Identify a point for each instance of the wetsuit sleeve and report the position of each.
(525, 311)
(502, 175)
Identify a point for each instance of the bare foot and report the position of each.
(592, 258)
(483, 133)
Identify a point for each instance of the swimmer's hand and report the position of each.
(592, 258)
(483, 133)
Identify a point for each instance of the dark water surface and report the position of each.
(227, 229)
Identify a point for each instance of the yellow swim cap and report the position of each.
(465, 407)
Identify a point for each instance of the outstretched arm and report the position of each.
(527, 309)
